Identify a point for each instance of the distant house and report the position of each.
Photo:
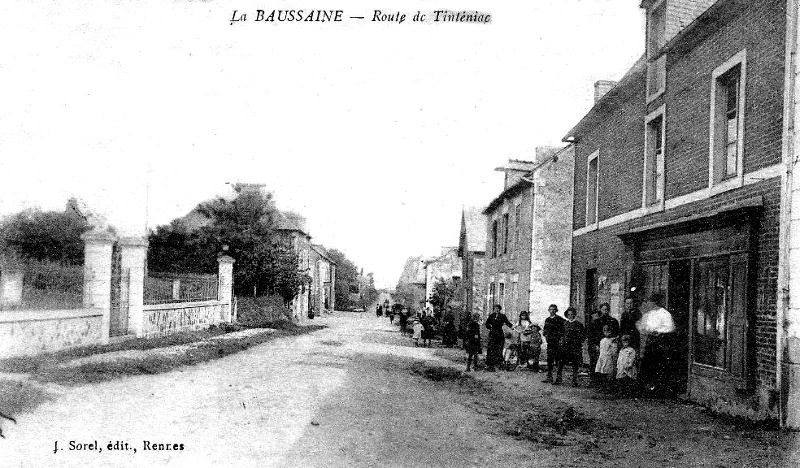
(291, 228)
(528, 244)
(472, 252)
(447, 267)
(323, 280)
(410, 290)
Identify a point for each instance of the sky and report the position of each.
(378, 132)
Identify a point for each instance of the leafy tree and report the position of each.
(346, 276)
(44, 235)
(443, 292)
(242, 227)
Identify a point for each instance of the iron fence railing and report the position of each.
(165, 288)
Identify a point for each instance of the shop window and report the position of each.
(720, 313)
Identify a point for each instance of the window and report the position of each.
(727, 123)
(505, 233)
(492, 295)
(592, 182)
(653, 193)
(517, 226)
(514, 306)
(501, 295)
(494, 238)
(656, 40)
(720, 313)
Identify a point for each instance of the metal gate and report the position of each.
(120, 288)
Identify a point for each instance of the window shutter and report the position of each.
(738, 337)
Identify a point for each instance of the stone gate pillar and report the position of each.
(97, 276)
(225, 284)
(133, 257)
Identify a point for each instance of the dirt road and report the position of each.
(356, 395)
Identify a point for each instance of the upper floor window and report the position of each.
(727, 121)
(517, 225)
(505, 233)
(494, 238)
(656, 40)
(592, 188)
(653, 193)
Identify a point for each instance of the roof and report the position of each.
(413, 271)
(323, 252)
(445, 252)
(622, 90)
(507, 193)
(290, 221)
(473, 227)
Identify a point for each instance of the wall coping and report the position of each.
(133, 241)
(100, 237)
(9, 316)
(182, 305)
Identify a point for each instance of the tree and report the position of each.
(346, 276)
(244, 229)
(44, 235)
(443, 292)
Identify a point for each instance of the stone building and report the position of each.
(471, 294)
(291, 229)
(323, 280)
(411, 287)
(528, 235)
(446, 266)
(681, 189)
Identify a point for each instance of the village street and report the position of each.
(358, 394)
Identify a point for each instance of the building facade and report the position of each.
(411, 286)
(323, 280)
(445, 267)
(678, 190)
(528, 237)
(471, 294)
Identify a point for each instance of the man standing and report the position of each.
(553, 331)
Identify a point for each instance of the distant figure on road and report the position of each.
(472, 341)
(525, 329)
(428, 332)
(496, 341)
(403, 320)
(379, 311)
(418, 328)
(449, 333)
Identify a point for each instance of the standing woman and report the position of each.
(472, 342)
(496, 341)
(525, 329)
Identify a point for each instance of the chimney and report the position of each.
(601, 88)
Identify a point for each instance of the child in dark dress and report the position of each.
(472, 342)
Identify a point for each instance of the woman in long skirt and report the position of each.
(497, 339)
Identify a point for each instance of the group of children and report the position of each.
(616, 368)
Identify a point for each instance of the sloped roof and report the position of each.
(413, 271)
(323, 252)
(473, 225)
(624, 89)
(289, 221)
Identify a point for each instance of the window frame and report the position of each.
(653, 59)
(595, 156)
(661, 163)
(724, 184)
(505, 233)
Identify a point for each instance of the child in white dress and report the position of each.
(607, 361)
(626, 368)
(418, 328)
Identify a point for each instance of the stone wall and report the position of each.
(164, 319)
(32, 332)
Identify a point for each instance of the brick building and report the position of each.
(471, 295)
(528, 235)
(678, 190)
